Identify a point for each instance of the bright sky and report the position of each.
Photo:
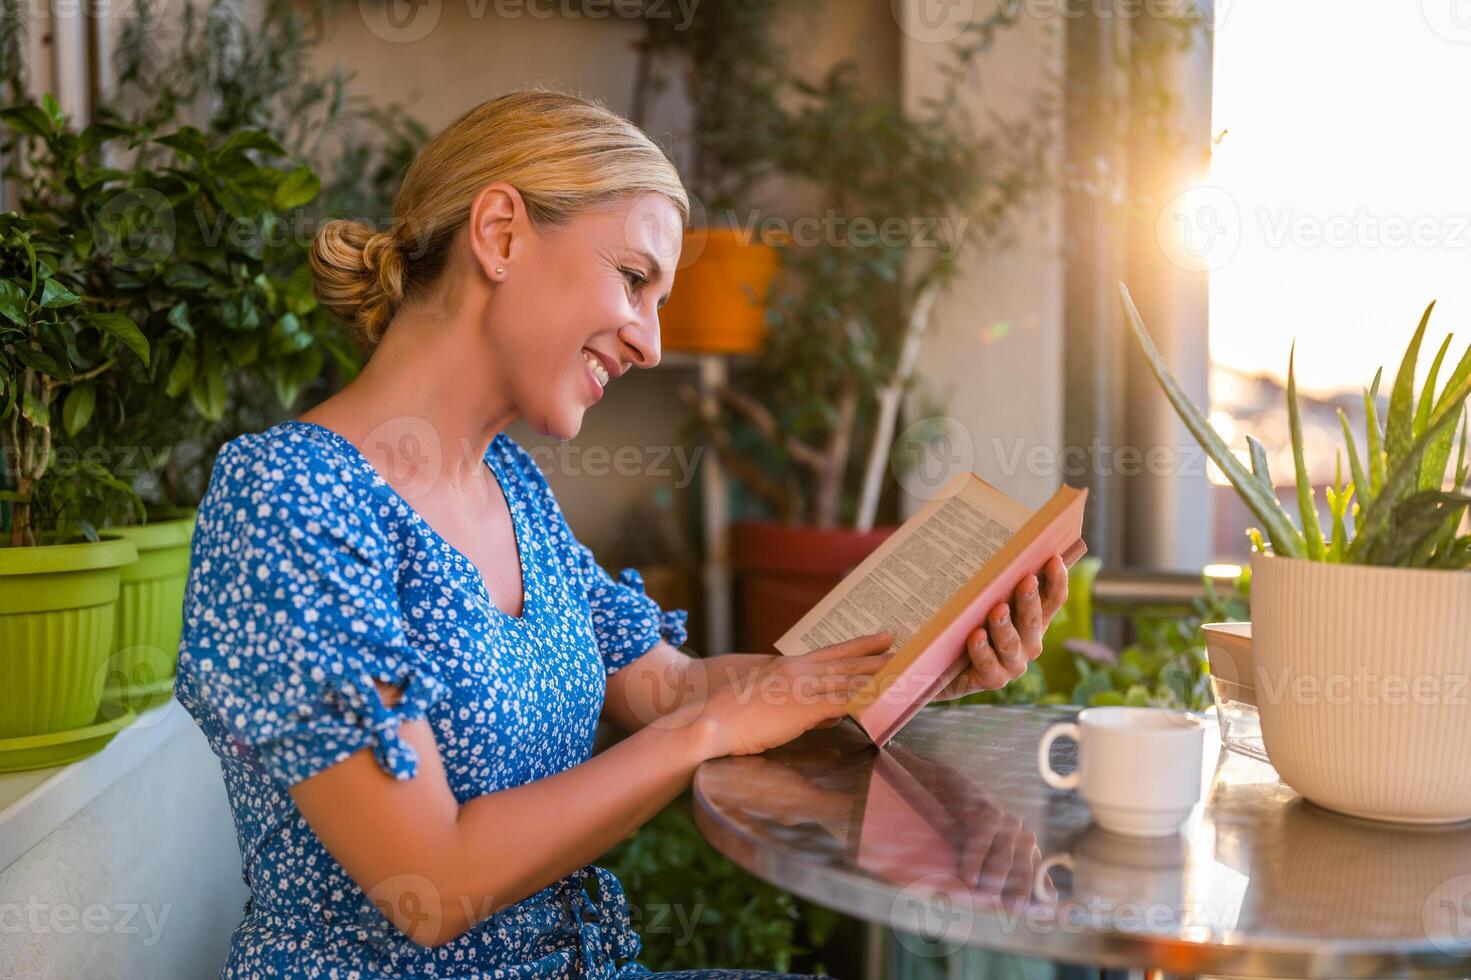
(1345, 141)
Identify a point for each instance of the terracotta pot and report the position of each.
(782, 572)
(718, 304)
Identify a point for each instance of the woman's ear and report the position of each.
(498, 228)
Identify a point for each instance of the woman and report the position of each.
(393, 641)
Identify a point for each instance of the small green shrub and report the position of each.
(680, 888)
(135, 299)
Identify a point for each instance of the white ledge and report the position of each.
(35, 803)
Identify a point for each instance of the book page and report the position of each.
(910, 577)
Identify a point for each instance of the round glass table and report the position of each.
(949, 836)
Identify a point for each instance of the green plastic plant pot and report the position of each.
(149, 610)
(57, 609)
(136, 697)
(60, 748)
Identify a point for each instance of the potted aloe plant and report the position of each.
(1361, 631)
(59, 583)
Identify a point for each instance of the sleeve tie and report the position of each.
(419, 690)
(673, 623)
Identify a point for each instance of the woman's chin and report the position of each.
(564, 424)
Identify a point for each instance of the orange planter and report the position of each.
(782, 572)
(718, 304)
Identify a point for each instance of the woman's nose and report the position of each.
(641, 337)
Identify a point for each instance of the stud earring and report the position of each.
(500, 270)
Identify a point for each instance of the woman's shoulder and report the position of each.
(291, 474)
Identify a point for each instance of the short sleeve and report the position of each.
(291, 614)
(625, 619)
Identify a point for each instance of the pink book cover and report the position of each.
(933, 655)
(906, 832)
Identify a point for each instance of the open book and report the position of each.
(932, 582)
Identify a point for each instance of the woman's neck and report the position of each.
(421, 396)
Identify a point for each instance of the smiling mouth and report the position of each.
(596, 367)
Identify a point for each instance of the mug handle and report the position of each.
(1044, 869)
(1051, 776)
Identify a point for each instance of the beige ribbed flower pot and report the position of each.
(1362, 683)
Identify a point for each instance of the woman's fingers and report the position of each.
(985, 665)
(1029, 619)
(867, 644)
(1054, 586)
(1006, 641)
(848, 665)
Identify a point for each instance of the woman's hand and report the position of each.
(786, 696)
(1000, 649)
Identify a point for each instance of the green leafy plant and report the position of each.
(728, 55)
(717, 913)
(54, 347)
(1164, 665)
(810, 427)
(1396, 500)
(190, 261)
(224, 67)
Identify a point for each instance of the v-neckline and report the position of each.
(517, 531)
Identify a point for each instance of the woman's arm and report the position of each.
(999, 650)
(435, 867)
(665, 678)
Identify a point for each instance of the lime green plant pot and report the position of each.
(60, 748)
(149, 612)
(57, 609)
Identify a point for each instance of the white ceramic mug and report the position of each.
(1138, 768)
(1110, 871)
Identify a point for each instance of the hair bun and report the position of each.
(358, 275)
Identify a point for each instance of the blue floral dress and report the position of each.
(310, 577)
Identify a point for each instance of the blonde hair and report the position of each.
(564, 154)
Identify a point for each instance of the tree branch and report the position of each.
(890, 395)
(760, 416)
(784, 500)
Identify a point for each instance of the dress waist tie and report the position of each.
(603, 928)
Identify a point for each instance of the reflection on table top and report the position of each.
(950, 836)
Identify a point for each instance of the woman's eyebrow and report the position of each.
(656, 271)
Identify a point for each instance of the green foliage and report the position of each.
(1165, 665)
(187, 274)
(732, 66)
(247, 123)
(54, 350)
(1402, 515)
(899, 194)
(228, 67)
(223, 68)
(680, 888)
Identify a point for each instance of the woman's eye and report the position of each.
(636, 281)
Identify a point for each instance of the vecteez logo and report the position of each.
(933, 21)
(1199, 229)
(135, 229)
(1449, 19)
(400, 21)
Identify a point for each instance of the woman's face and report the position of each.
(578, 304)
